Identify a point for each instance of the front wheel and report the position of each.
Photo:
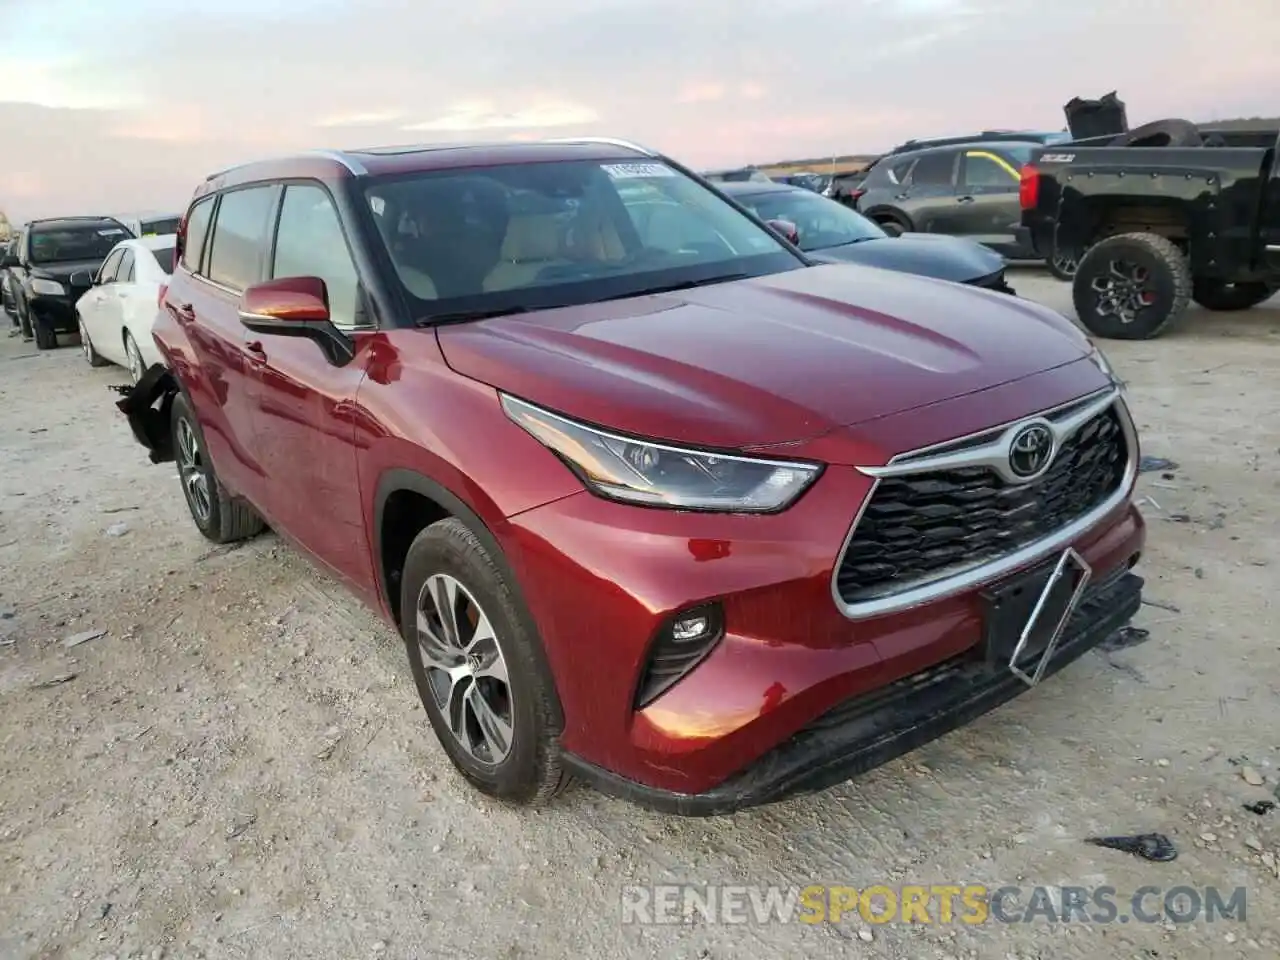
(1131, 287)
(219, 516)
(1226, 297)
(474, 656)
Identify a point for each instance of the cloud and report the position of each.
(486, 115)
(142, 119)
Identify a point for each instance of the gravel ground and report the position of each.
(239, 766)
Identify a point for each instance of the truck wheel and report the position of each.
(1131, 286)
(1224, 296)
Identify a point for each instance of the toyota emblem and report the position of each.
(1030, 451)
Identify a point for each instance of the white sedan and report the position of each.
(116, 314)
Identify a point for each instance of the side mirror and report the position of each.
(787, 229)
(295, 307)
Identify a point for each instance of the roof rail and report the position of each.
(608, 141)
(353, 165)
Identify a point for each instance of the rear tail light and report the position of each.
(1029, 188)
(856, 194)
(164, 289)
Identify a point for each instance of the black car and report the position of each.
(962, 187)
(829, 232)
(54, 264)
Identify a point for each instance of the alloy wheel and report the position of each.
(1066, 263)
(1123, 291)
(85, 346)
(465, 669)
(191, 468)
(135, 359)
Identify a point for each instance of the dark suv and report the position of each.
(53, 266)
(964, 188)
(651, 498)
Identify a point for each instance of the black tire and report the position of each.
(221, 517)
(1227, 297)
(1167, 283)
(892, 227)
(86, 345)
(137, 366)
(1063, 264)
(1161, 133)
(531, 771)
(46, 336)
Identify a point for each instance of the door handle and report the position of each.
(186, 313)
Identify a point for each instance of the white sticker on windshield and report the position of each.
(110, 232)
(636, 171)
(377, 205)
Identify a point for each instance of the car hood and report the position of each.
(925, 254)
(769, 360)
(63, 271)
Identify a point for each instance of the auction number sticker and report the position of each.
(637, 171)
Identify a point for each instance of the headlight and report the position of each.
(47, 288)
(658, 475)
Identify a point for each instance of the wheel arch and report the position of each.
(405, 503)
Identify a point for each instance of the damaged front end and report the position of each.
(148, 404)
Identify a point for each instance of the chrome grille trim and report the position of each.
(1065, 420)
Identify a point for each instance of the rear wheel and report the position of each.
(1063, 263)
(1131, 286)
(1224, 296)
(86, 345)
(46, 337)
(219, 516)
(892, 227)
(136, 365)
(473, 652)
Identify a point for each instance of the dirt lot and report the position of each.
(240, 767)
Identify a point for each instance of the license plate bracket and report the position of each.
(1024, 618)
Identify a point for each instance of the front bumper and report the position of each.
(869, 730)
(57, 313)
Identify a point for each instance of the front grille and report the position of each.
(923, 527)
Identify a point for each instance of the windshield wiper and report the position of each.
(465, 316)
(682, 285)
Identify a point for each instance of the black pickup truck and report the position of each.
(1143, 230)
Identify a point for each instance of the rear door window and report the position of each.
(240, 235)
(934, 169)
(124, 273)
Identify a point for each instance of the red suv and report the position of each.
(653, 500)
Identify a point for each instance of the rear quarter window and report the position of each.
(197, 230)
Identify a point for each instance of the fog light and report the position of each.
(689, 629)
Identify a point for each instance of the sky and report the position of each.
(125, 106)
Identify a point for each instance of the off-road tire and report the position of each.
(230, 518)
(532, 772)
(1227, 297)
(86, 343)
(1170, 279)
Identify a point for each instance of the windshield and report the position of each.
(822, 223)
(74, 243)
(159, 227)
(537, 235)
